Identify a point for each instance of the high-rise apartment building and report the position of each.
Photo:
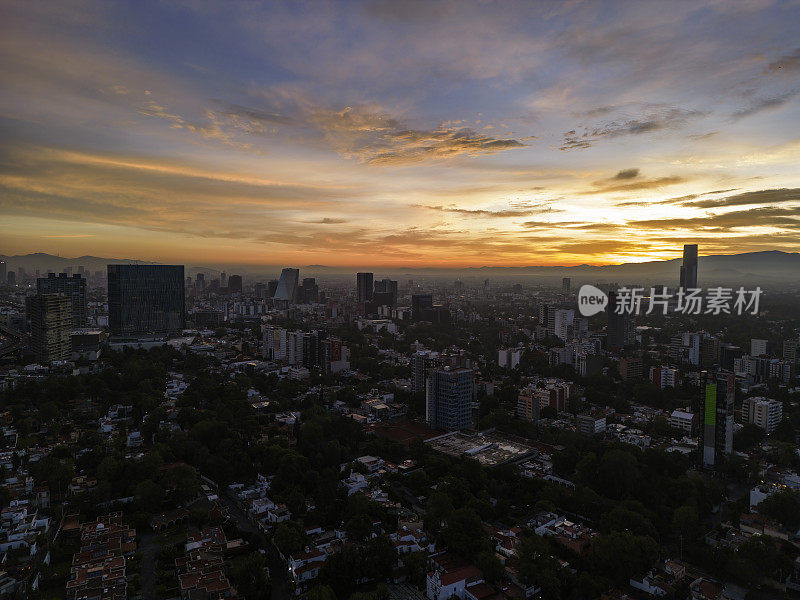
(51, 324)
(73, 287)
(421, 362)
(764, 412)
(560, 322)
(448, 400)
(790, 351)
(146, 299)
(759, 347)
(716, 432)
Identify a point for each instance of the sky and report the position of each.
(391, 133)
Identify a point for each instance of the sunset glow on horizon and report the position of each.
(389, 134)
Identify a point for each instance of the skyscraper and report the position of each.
(448, 398)
(309, 291)
(566, 284)
(51, 323)
(73, 287)
(234, 284)
(689, 267)
(419, 304)
(387, 286)
(145, 299)
(716, 434)
(619, 331)
(2, 271)
(420, 363)
(287, 286)
(364, 287)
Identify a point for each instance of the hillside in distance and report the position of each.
(771, 267)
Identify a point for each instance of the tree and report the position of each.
(686, 522)
(415, 567)
(438, 509)
(184, 482)
(149, 495)
(359, 528)
(783, 506)
(747, 437)
(621, 556)
(380, 557)
(623, 519)
(464, 534)
(490, 564)
(289, 538)
(250, 577)
(321, 592)
(618, 472)
(538, 567)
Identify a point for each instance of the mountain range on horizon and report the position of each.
(768, 267)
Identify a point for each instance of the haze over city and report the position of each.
(399, 134)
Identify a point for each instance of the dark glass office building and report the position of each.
(145, 299)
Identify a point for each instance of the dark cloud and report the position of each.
(612, 185)
(761, 104)
(511, 212)
(676, 200)
(654, 121)
(327, 221)
(783, 218)
(551, 224)
(774, 196)
(363, 132)
(788, 63)
(627, 174)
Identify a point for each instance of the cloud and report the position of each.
(761, 197)
(510, 212)
(656, 119)
(627, 174)
(787, 64)
(781, 218)
(76, 235)
(366, 132)
(763, 104)
(611, 185)
(327, 221)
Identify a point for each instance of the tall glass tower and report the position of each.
(146, 299)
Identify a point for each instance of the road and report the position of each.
(281, 589)
(148, 549)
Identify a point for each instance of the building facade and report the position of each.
(73, 287)
(146, 299)
(51, 324)
(448, 402)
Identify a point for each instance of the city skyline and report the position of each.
(399, 135)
